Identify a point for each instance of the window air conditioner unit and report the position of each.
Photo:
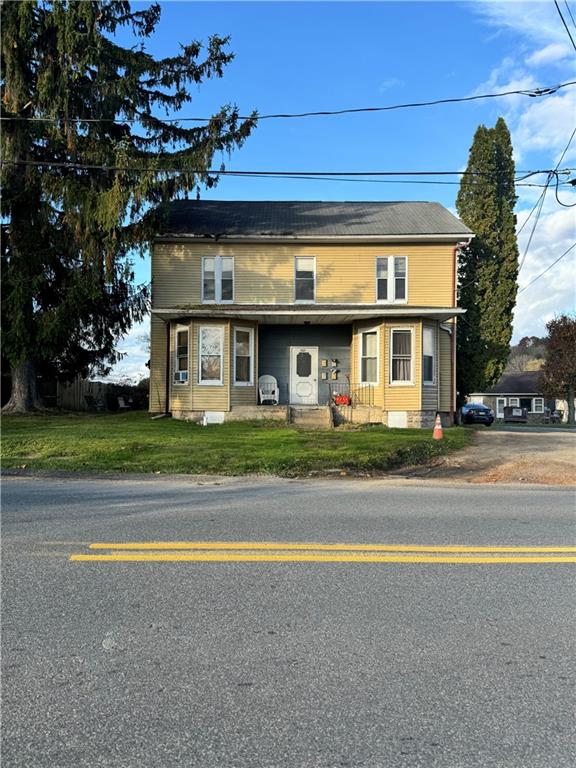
(181, 377)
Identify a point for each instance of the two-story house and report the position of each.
(346, 301)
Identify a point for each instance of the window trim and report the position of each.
(179, 329)
(361, 332)
(515, 404)
(218, 280)
(397, 382)
(250, 332)
(541, 400)
(391, 296)
(429, 382)
(211, 382)
(304, 301)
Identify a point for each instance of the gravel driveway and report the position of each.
(545, 456)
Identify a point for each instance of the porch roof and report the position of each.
(311, 314)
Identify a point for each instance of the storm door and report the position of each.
(304, 375)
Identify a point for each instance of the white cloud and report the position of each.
(137, 353)
(537, 21)
(555, 292)
(554, 53)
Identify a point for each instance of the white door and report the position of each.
(304, 375)
(500, 404)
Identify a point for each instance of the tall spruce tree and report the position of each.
(488, 267)
(86, 164)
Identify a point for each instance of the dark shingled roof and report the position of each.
(309, 219)
(512, 383)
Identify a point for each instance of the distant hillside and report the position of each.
(527, 355)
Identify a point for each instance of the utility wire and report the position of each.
(570, 12)
(262, 174)
(565, 25)
(540, 202)
(548, 268)
(533, 92)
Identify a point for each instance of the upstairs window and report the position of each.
(305, 278)
(218, 279)
(428, 344)
(181, 357)
(401, 363)
(391, 279)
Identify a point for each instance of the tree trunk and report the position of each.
(24, 396)
(571, 405)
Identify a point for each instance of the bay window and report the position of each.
(369, 357)
(210, 355)
(243, 357)
(181, 356)
(428, 345)
(401, 362)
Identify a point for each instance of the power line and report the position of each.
(565, 25)
(260, 173)
(532, 93)
(570, 12)
(548, 268)
(540, 202)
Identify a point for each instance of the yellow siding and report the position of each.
(157, 402)
(445, 369)
(400, 397)
(264, 273)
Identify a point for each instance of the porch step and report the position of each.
(311, 416)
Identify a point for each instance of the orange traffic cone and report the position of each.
(438, 434)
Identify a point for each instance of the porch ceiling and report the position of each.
(310, 314)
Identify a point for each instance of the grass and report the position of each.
(132, 442)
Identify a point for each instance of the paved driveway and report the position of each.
(541, 455)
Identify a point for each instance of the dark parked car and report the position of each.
(476, 413)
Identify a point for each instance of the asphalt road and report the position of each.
(268, 663)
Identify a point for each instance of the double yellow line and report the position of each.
(285, 552)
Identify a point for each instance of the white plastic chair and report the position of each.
(268, 389)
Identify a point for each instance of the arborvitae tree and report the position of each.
(85, 158)
(558, 374)
(488, 267)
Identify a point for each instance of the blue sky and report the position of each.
(302, 56)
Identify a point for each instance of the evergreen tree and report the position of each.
(86, 161)
(558, 374)
(488, 267)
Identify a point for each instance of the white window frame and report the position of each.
(304, 301)
(432, 329)
(180, 329)
(536, 400)
(401, 382)
(250, 331)
(361, 332)
(218, 280)
(211, 382)
(514, 402)
(391, 297)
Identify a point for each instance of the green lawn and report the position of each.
(132, 442)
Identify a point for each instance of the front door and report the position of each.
(304, 375)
